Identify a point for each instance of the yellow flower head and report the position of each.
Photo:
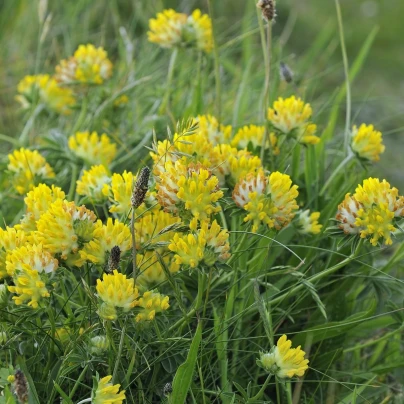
(37, 202)
(105, 237)
(270, 200)
(93, 182)
(63, 226)
(150, 270)
(92, 148)
(207, 246)
(308, 222)
(28, 286)
(30, 257)
(89, 65)
(45, 89)
(371, 211)
(367, 142)
(151, 303)
(28, 168)
(108, 393)
(251, 134)
(284, 361)
(117, 291)
(210, 128)
(10, 239)
(293, 115)
(171, 29)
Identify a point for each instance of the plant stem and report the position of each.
(78, 381)
(72, 188)
(81, 117)
(165, 105)
(134, 252)
(262, 390)
(336, 171)
(217, 66)
(289, 392)
(346, 72)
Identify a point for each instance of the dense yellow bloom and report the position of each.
(171, 29)
(92, 148)
(120, 191)
(207, 245)
(371, 211)
(367, 142)
(270, 200)
(308, 222)
(28, 167)
(210, 128)
(92, 183)
(107, 393)
(249, 134)
(117, 291)
(37, 202)
(30, 257)
(292, 116)
(104, 238)
(284, 361)
(28, 286)
(183, 189)
(89, 65)
(10, 239)
(151, 303)
(63, 225)
(150, 270)
(45, 89)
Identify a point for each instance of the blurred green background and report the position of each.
(377, 92)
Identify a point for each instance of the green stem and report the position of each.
(81, 117)
(9, 139)
(165, 105)
(78, 381)
(118, 356)
(134, 252)
(289, 392)
(336, 172)
(296, 162)
(24, 134)
(346, 73)
(261, 392)
(201, 289)
(217, 65)
(74, 176)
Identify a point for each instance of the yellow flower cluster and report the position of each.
(92, 148)
(44, 89)
(151, 303)
(92, 184)
(367, 142)
(308, 222)
(88, 65)
(371, 211)
(254, 135)
(10, 239)
(284, 361)
(267, 199)
(150, 268)
(291, 116)
(28, 168)
(108, 393)
(171, 29)
(205, 246)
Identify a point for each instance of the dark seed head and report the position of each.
(21, 387)
(268, 9)
(286, 72)
(141, 187)
(168, 389)
(114, 259)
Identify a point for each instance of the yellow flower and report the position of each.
(151, 303)
(10, 239)
(367, 142)
(93, 182)
(171, 29)
(107, 393)
(89, 65)
(28, 167)
(99, 344)
(308, 222)
(166, 29)
(292, 116)
(371, 211)
(120, 191)
(92, 148)
(121, 101)
(284, 361)
(45, 89)
(251, 134)
(37, 202)
(117, 291)
(63, 225)
(28, 285)
(150, 270)
(207, 245)
(210, 128)
(31, 257)
(270, 200)
(11, 379)
(104, 238)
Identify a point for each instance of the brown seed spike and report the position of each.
(114, 259)
(268, 9)
(141, 187)
(21, 387)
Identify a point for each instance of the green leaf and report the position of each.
(183, 377)
(351, 398)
